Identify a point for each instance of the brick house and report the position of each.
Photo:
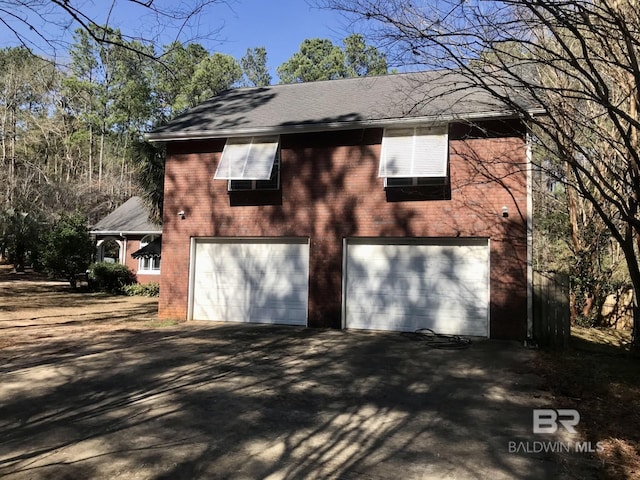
(128, 236)
(386, 203)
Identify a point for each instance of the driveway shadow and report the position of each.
(207, 400)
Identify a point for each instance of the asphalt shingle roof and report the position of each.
(130, 217)
(345, 103)
(150, 250)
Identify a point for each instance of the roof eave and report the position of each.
(125, 233)
(318, 127)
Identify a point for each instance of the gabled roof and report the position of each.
(436, 96)
(132, 217)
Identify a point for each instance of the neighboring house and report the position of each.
(387, 203)
(128, 236)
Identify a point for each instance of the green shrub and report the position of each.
(68, 248)
(142, 289)
(110, 277)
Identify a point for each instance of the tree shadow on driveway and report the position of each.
(208, 400)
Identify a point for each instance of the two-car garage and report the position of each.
(388, 284)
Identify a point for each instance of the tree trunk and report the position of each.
(589, 303)
(3, 126)
(634, 273)
(124, 160)
(101, 160)
(573, 308)
(90, 154)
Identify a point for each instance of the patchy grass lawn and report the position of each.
(601, 379)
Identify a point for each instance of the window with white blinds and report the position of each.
(272, 184)
(415, 152)
(247, 158)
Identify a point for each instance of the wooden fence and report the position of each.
(551, 316)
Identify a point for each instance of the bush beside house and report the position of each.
(110, 277)
(68, 248)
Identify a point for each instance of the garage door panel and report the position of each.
(369, 301)
(404, 287)
(284, 278)
(243, 314)
(406, 305)
(250, 299)
(286, 289)
(401, 292)
(447, 321)
(438, 322)
(264, 281)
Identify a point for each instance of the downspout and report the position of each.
(529, 156)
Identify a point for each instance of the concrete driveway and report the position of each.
(209, 400)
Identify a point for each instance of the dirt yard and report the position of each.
(34, 310)
(94, 386)
(599, 377)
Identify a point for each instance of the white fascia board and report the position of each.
(117, 233)
(319, 127)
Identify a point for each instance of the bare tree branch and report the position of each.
(44, 26)
(578, 60)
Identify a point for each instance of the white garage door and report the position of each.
(252, 280)
(420, 283)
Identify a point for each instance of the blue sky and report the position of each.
(278, 25)
(229, 27)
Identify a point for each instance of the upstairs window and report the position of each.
(250, 163)
(415, 181)
(273, 183)
(414, 156)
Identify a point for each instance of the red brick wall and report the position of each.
(330, 190)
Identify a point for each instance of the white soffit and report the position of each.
(247, 158)
(414, 152)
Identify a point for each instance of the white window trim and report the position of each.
(141, 261)
(153, 271)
